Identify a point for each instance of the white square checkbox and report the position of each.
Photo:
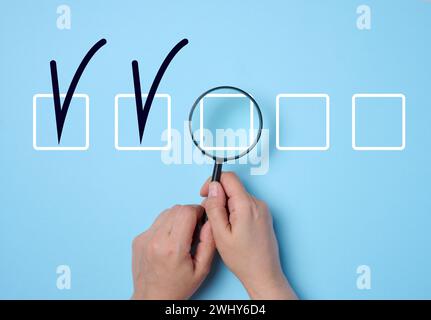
(201, 121)
(168, 145)
(323, 96)
(86, 98)
(402, 99)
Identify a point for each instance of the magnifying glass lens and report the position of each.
(225, 123)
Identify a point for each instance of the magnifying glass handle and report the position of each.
(215, 177)
(217, 172)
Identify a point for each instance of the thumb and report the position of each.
(215, 208)
(205, 250)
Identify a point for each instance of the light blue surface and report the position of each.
(333, 210)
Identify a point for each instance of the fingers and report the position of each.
(215, 208)
(205, 250)
(204, 189)
(231, 185)
(184, 225)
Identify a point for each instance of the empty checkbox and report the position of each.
(302, 122)
(378, 122)
(226, 111)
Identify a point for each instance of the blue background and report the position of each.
(333, 210)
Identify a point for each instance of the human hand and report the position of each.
(244, 237)
(163, 267)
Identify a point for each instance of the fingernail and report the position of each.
(213, 190)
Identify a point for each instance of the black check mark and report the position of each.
(142, 112)
(61, 111)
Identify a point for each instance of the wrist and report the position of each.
(157, 295)
(138, 296)
(271, 288)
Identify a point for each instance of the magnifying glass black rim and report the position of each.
(224, 159)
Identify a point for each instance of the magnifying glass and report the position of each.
(231, 127)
